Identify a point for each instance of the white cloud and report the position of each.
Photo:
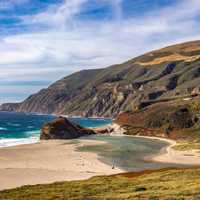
(57, 16)
(7, 4)
(98, 43)
(69, 45)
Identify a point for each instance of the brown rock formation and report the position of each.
(62, 128)
(196, 91)
(164, 119)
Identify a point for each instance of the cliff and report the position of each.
(162, 75)
(176, 119)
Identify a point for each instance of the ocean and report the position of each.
(23, 128)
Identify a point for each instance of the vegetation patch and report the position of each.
(176, 184)
(186, 146)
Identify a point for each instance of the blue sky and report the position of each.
(44, 40)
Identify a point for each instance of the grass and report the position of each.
(190, 135)
(186, 146)
(168, 184)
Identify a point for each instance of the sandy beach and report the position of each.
(189, 157)
(49, 161)
(170, 155)
(59, 160)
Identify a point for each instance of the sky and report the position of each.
(42, 41)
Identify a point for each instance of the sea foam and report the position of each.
(16, 142)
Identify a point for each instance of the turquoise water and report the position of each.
(20, 128)
(128, 153)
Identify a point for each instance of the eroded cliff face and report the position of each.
(162, 75)
(175, 119)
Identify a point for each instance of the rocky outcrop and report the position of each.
(9, 107)
(196, 91)
(62, 128)
(165, 119)
(171, 72)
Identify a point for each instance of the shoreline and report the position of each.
(170, 155)
(110, 129)
(50, 161)
(12, 142)
(45, 161)
(58, 160)
(166, 155)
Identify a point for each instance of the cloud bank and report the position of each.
(71, 35)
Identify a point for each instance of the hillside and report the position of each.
(169, 73)
(166, 184)
(176, 119)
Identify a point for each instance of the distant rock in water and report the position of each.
(62, 128)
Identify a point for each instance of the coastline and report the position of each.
(58, 160)
(37, 162)
(50, 161)
(112, 129)
(11, 142)
(4, 143)
(170, 155)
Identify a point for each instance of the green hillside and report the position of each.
(167, 184)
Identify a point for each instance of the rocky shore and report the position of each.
(111, 129)
(62, 128)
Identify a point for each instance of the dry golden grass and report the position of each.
(192, 48)
(173, 57)
(187, 146)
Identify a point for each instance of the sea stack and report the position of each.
(62, 128)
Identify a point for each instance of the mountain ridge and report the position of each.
(170, 72)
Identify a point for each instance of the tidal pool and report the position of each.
(128, 153)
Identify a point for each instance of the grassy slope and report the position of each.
(165, 184)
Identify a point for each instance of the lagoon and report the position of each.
(128, 153)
